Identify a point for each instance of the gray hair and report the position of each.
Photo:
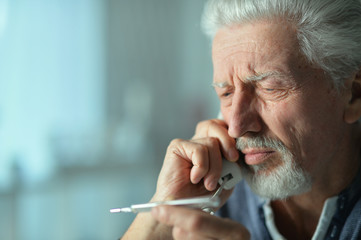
(329, 31)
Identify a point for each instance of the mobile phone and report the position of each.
(232, 172)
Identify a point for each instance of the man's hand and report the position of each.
(218, 129)
(191, 168)
(197, 225)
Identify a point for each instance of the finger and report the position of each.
(215, 164)
(218, 128)
(196, 154)
(199, 223)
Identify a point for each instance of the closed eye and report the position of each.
(269, 89)
(226, 94)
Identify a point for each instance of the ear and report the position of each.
(353, 109)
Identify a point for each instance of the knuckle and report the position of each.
(201, 124)
(200, 127)
(196, 222)
(174, 143)
(201, 149)
(214, 123)
(213, 142)
(204, 126)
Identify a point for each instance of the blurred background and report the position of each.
(91, 93)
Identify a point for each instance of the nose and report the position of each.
(243, 117)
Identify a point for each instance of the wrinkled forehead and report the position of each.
(255, 47)
(272, 37)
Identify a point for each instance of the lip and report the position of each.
(257, 156)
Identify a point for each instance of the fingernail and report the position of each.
(196, 180)
(233, 154)
(212, 185)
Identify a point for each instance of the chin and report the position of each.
(277, 182)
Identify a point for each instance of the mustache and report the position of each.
(243, 143)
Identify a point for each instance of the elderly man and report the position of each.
(287, 73)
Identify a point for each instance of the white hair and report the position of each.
(286, 177)
(329, 31)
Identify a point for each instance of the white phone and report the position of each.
(231, 171)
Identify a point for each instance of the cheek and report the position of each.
(289, 123)
(285, 122)
(307, 129)
(226, 113)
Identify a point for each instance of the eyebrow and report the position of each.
(220, 84)
(253, 78)
(259, 77)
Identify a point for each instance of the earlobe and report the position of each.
(353, 109)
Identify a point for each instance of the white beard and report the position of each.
(274, 179)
